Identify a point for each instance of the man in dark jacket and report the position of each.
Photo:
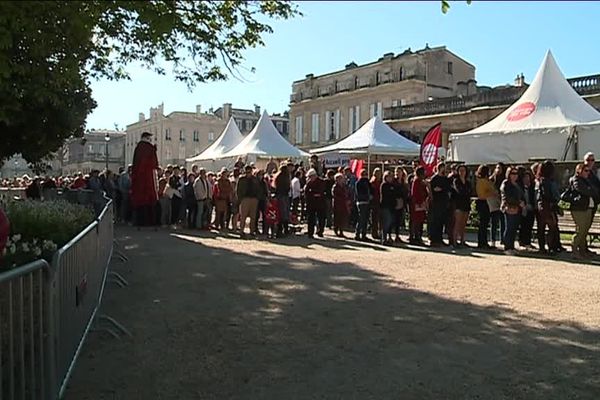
(316, 207)
(363, 196)
(440, 205)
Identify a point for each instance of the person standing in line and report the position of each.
(144, 193)
(440, 205)
(351, 187)
(528, 215)
(271, 166)
(222, 195)
(590, 162)
(485, 191)
(125, 188)
(177, 196)
(403, 193)
(164, 201)
(315, 203)
(296, 192)
(247, 194)
(341, 204)
(329, 182)
(419, 201)
(496, 216)
(512, 204)
(191, 204)
(375, 203)
(388, 200)
(203, 193)
(263, 201)
(585, 203)
(462, 204)
(282, 184)
(547, 203)
(363, 198)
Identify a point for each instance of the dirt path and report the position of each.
(221, 318)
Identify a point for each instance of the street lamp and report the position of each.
(106, 140)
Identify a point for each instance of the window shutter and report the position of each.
(327, 125)
(380, 110)
(356, 117)
(350, 120)
(372, 110)
(337, 124)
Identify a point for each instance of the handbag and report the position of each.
(570, 195)
(493, 203)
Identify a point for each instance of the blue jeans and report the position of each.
(363, 220)
(498, 222)
(510, 231)
(201, 217)
(387, 217)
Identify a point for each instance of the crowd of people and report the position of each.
(276, 199)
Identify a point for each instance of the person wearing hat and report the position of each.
(144, 194)
(315, 203)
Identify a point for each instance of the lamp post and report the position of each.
(106, 140)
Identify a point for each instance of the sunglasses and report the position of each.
(586, 170)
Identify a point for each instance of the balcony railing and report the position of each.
(586, 84)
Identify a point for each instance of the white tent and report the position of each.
(543, 123)
(375, 137)
(227, 140)
(265, 141)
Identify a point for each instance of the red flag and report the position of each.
(356, 166)
(429, 148)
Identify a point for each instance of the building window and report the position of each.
(196, 137)
(182, 135)
(299, 133)
(356, 82)
(377, 78)
(211, 136)
(248, 124)
(394, 103)
(450, 67)
(376, 109)
(168, 134)
(401, 74)
(353, 119)
(315, 128)
(332, 119)
(279, 126)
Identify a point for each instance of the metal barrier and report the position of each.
(46, 312)
(24, 328)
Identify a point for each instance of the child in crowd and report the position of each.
(273, 217)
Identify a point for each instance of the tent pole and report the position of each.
(369, 164)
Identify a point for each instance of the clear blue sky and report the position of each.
(501, 39)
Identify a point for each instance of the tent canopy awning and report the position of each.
(538, 124)
(227, 140)
(373, 138)
(265, 141)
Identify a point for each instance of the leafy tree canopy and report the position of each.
(49, 51)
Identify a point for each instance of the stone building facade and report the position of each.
(326, 108)
(89, 152)
(180, 135)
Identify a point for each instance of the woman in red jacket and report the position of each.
(418, 206)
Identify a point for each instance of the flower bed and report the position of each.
(38, 229)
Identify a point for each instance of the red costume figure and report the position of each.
(144, 194)
(418, 207)
(273, 217)
(341, 209)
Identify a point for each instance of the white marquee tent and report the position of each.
(543, 123)
(375, 137)
(212, 156)
(265, 141)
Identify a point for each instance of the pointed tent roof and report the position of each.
(549, 102)
(227, 140)
(374, 137)
(265, 141)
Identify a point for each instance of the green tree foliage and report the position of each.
(446, 5)
(49, 51)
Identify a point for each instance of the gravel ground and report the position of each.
(222, 318)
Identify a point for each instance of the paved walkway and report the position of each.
(222, 318)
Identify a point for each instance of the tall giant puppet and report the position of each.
(144, 194)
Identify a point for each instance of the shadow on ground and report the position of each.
(216, 323)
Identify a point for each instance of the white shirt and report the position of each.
(296, 190)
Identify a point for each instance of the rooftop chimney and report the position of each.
(198, 110)
(142, 117)
(226, 111)
(520, 80)
(256, 109)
